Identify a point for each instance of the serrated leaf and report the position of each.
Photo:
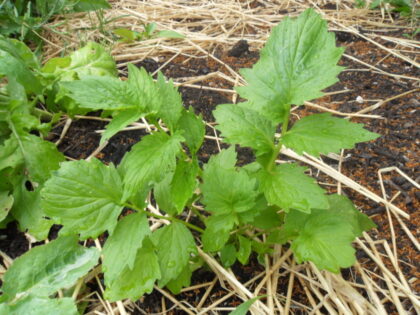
(91, 59)
(40, 306)
(288, 187)
(244, 250)
(225, 189)
(174, 246)
(192, 129)
(84, 197)
(217, 231)
(245, 127)
(28, 212)
(98, 92)
(121, 120)
(6, 203)
(173, 193)
(47, 268)
(133, 283)
(121, 247)
(228, 255)
(297, 62)
(182, 281)
(149, 161)
(321, 134)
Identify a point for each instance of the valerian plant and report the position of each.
(280, 201)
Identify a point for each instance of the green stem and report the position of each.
(169, 218)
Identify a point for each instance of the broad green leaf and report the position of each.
(84, 197)
(246, 127)
(6, 203)
(324, 239)
(47, 268)
(225, 189)
(121, 120)
(121, 247)
(289, 188)
(173, 193)
(28, 212)
(19, 51)
(171, 102)
(228, 255)
(342, 206)
(297, 62)
(126, 34)
(182, 281)
(325, 236)
(244, 307)
(217, 231)
(322, 134)
(34, 305)
(10, 155)
(169, 34)
(91, 5)
(133, 283)
(149, 161)
(92, 59)
(244, 250)
(17, 70)
(192, 129)
(174, 245)
(100, 92)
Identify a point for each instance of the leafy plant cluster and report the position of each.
(407, 8)
(233, 205)
(24, 18)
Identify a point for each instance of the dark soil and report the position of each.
(397, 147)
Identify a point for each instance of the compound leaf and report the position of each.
(84, 196)
(149, 161)
(175, 243)
(121, 247)
(288, 187)
(322, 134)
(47, 268)
(297, 62)
(246, 127)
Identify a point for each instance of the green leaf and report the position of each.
(98, 92)
(322, 134)
(40, 306)
(121, 120)
(133, 283)
(224, 188)
(192, 129)
(92, 59)
(28, 212)
(173, 193)
(149, 161)
(10, 155)
(244, 307)
(325, 235)
(182, 281)
(169, 34)
(126, 34)
(298, 61)
(84, 197)
(228, 255)
(244, 250)
(246, 127)
(47, 268)
(217, 231)
(91, 5)
(19, 51)
(121, 247)
(6, 203)
(288, 187)
(174, 245)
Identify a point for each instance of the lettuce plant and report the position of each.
(238, 204)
